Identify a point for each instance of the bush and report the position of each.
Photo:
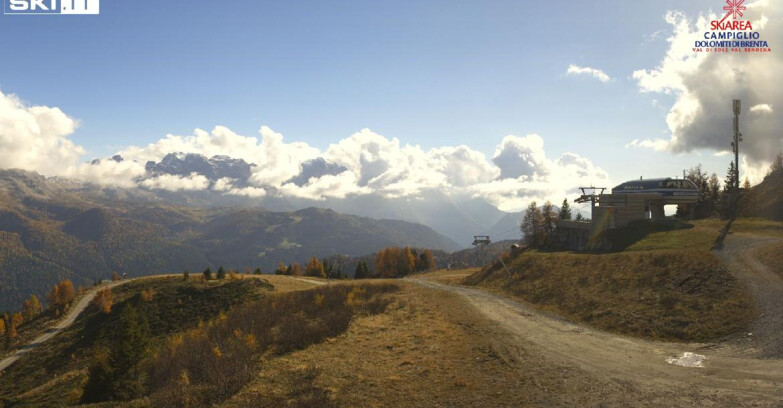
(104, 300)
(212, 362)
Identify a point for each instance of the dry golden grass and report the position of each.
(685, 295)
(429, 349)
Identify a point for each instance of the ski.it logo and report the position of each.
(51, 6)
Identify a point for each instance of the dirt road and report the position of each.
(82, 304)
(732, 375)
(65, 322)
(765, 338)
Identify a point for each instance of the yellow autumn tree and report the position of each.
(394, 262)
(425, 261)
(315, 268)
(296, 270)
(31, 308)
(54, 296)
(281, 269)
(104, 300)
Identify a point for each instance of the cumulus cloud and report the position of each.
(171, 182)
(521, 156)
(36, 137)
(761, 109)
(703, 85)
(593, 72)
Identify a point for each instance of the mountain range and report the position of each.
(53, 229)
(458, 217)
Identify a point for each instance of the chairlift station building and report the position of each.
(634, 200)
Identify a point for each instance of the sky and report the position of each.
(549, 93)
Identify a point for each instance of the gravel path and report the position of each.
(64, 323)
(765, 339)
(732, 374)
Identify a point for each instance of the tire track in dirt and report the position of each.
(726, 373)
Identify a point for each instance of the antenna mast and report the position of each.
(736, 142)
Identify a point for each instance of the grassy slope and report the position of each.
(667, 285)
(48, 375)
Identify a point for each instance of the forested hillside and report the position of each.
(49, 233)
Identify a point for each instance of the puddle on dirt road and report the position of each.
(688, 359)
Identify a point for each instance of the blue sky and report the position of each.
(432, 73)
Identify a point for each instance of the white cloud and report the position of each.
(335, 186)
(521, 156)
(109, 172)
(36, 137)
(761, 109)
(171, 182)
(594, 72)
(253, 192)
(528, 175)
(705, 83)
(658, 145)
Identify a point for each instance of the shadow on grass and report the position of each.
(622, 238)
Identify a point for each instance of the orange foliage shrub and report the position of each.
(104, 300)
(147, 295)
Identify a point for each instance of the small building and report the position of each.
(634, 200)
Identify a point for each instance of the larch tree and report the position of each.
(532, 225)
(296, 270)
(281, 269)
(31, 308)
(315, 268)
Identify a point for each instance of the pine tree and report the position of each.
(100, 381)
(701, 208)
(116, 375)
(713, 184)
(777, 166)
(132, 342)
(746, 185)
(730, 181)
(565, 210)
(550, 223)
(207, 273)
(579, 216)
(257, 271)
(362, 271)
(221, 274)
(329, 269)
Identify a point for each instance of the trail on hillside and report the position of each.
(64, 323)
(82, 304)
(765, 337)
(728, 373)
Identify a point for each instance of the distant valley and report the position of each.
(53, 230)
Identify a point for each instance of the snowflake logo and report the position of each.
(734, 9)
